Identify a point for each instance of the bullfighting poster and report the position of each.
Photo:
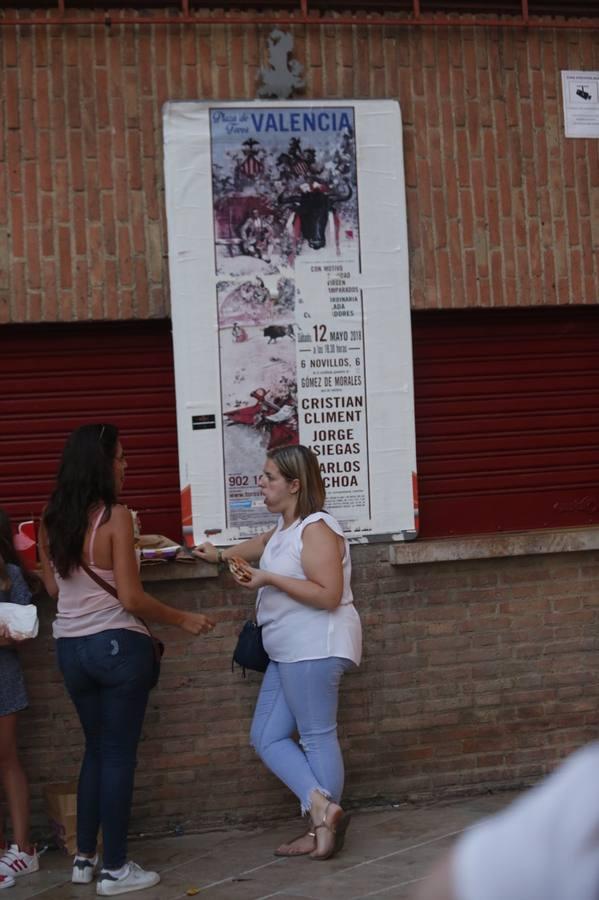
(290, 305)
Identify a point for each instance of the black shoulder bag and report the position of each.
(249, 651)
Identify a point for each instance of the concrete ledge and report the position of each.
(487, 546)
(173, 571)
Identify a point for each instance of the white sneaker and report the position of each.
(6, 881)
(84, 869)
(15, 862)
(134, 878)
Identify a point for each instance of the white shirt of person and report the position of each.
(293, 631)
(544, 846)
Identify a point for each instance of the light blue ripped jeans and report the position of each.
(301, 697)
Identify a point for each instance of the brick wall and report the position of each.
(477, 675)
(500, 204)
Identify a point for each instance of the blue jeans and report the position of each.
(108, 676)
(302, 697)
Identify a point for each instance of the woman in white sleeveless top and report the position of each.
(312, 634)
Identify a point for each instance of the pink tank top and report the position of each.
(86, 608)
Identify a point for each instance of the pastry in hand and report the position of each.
(240, 568)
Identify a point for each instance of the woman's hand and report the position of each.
(196, 623)
(250, 550)
(207, 551)
(259, 578)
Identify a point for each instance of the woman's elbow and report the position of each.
(50, 587)
(133, 603)
(333, 600)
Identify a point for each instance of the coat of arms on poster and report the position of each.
(290, 304)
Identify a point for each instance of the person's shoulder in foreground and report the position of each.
(544, 846)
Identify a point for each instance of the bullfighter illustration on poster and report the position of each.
(290, 306)
(285, 204)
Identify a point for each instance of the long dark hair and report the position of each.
(85, 479)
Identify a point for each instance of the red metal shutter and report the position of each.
(507, 419)
(507, 416)
(57, 377)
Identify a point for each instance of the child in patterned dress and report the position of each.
(20, 857)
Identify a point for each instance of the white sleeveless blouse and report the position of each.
(292, 631)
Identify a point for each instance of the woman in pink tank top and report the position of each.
(104, 648)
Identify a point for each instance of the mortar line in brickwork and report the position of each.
(110, 21)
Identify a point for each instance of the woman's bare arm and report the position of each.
(129, 586)
(250, 550)
(128, 583)
(322, 564)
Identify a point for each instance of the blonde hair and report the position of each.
(299, 462)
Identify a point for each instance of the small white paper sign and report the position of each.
(581, 104)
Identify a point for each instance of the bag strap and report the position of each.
(110, 589)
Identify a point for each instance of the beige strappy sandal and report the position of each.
(337, 828)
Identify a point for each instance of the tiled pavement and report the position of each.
(386, 851)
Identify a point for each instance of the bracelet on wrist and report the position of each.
(220, 562)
